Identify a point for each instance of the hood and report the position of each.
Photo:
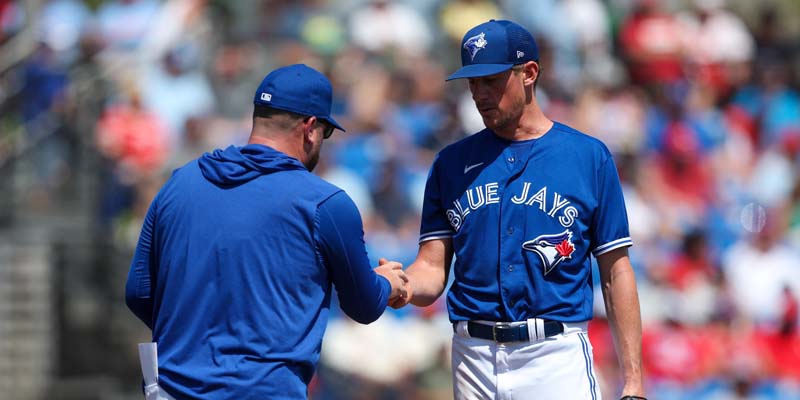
(237, 165)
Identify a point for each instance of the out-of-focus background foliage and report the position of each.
(697, 99)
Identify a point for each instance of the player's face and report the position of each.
(500, 99)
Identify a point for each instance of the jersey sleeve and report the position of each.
(363, 294)
(435, 224)
(610, 230)
(139, 286)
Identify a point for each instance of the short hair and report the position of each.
(283, 119)
(275, 117)
(519, 67)
(262, 111)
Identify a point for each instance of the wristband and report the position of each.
(629, 397)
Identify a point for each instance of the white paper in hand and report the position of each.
(148, 356)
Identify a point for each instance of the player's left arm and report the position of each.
(140, 285)
(622, 309)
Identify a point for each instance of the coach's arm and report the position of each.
(622, 308)
(139, 287)
(427, 275)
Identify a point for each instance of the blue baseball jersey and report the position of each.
(524, 218)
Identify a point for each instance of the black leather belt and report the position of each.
(507, 333)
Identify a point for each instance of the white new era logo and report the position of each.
(520, 54)
(266, 96)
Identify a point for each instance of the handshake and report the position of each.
(401, 287)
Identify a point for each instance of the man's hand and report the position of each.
(393, 271)
(402, 301)
(399, 301)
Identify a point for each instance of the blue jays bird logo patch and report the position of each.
(552, 249)
(475, 44)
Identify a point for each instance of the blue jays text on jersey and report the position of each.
(485, 194)
(524, 218)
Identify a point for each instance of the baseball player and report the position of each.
(523, 204)
(234, 265)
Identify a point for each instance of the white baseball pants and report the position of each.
(558, 367)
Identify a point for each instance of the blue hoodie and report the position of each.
(233, 273)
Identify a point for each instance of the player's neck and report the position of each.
(532, 124)
(279, 141)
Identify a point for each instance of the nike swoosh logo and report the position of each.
(468, 168)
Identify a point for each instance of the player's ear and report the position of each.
(531, 72)
(307, 125)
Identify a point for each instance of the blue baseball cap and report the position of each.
(299, 89)
(493, 47)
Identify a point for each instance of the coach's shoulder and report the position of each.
(313, 182)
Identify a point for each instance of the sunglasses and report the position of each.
(328, 128)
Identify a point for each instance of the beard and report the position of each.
(313, 157)
(310, 164)
(498, 120)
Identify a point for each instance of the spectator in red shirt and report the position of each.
(651, 45)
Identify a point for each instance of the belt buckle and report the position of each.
(501, 325)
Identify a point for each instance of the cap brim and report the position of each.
(479, 70)
(333, 122)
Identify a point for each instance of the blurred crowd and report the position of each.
(699, 100)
